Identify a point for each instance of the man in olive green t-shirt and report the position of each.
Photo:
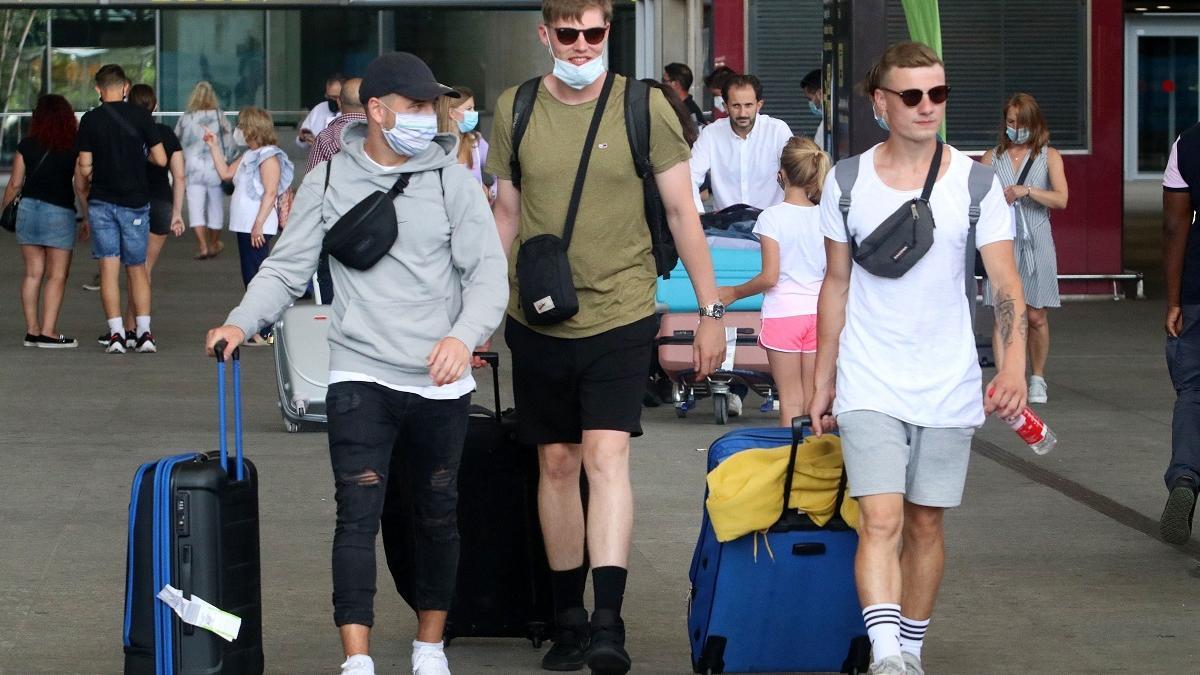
(578, 384)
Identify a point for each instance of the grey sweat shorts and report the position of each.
(884, 455)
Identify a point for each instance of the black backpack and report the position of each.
(637, 126)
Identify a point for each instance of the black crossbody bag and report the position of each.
(904, 238)
(8, 219)
(545, 287)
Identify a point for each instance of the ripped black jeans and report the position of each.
(367, 422)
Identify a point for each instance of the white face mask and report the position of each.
(578, 77)
(411, 134)
(719, 102)
(239, 138)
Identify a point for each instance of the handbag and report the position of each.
(980, 269)
(546, 289)
(904, 237)
(8, 219)
(364, 234)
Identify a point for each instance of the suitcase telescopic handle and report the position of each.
(493, 360)
(798, 424)
(239, 464)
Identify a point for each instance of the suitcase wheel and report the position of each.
(537, 633)
(290, 426)
(721, 408)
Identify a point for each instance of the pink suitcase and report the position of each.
(676, 335)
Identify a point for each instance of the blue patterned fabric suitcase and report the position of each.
(797, 612)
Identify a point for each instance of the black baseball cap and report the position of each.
(401, 73)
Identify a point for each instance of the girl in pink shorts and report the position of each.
(793, 266)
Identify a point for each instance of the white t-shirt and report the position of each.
(908, 347)
(742, 169)
(801, 259)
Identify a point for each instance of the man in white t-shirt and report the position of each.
(896, 357)
(322, 113)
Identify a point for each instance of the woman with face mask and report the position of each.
(259, 176)
(1034, 183)
(205, 200)
(458, 116)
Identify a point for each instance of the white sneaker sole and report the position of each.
(115, 349)
(55, 345)
(148, 348)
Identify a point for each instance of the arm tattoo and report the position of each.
(1007, 319)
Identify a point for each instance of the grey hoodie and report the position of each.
(445, 276)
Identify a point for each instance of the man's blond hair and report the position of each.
(565, 10)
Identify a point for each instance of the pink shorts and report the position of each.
(790, 334)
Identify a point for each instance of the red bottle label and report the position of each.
(1032, 429)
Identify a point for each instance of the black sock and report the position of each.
(568, 588)
(608, 583)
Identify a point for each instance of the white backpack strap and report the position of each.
(846, 173)
(978, 184)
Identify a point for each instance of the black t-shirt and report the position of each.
(158, 176)
(694, 109)
(119, 135)
(50, 181)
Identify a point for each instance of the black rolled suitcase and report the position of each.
(193, 524)
(503, 586)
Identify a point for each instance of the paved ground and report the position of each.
(1050, 568)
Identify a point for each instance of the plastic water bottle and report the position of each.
(1033, 431)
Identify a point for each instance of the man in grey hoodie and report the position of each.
(400, 339)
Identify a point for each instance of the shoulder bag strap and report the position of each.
(45, 154)
(1025, 171)
(122, 122)
(522, 110)
(846, 173)
(931, 177)
(581, 175)
(979, 183)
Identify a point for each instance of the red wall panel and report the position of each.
(729, 34)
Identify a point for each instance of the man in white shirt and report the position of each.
(741, 151)
(896, 357)
(814, 92)
(322, 113)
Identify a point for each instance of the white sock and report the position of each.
(143, 324)
(117, 326)
(912, 635)
(883, 628)
(361, 661)
(431, 646)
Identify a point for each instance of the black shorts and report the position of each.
(563, 386)
(160, 217)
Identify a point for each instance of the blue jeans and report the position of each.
(367, 424)
(119, 231)
(251, 259)
(1183, 362)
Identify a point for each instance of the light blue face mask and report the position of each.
(578, 77)
(469, 121)
(815, 109)
(1018, 136)
(412, 133)
(883, 124)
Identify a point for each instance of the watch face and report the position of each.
(718, 311)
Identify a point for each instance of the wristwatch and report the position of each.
(715, 310)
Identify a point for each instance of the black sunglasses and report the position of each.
(912, 97)
(568, 36)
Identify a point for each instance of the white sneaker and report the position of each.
(359, 664)
(735, 404)
(892, 665)
(1037, 390)
(912, 664)
(427, 661)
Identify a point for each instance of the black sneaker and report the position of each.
(570, 642)
(32, 340)
(116, 344)
(606, 653)
(131, 339)
(60, 342)
(1175, 525)
(103, 339)
(145, 344)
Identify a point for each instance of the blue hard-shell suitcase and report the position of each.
(797, 612)
(193, 524)
(733, 266)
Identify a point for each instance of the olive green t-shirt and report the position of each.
(610, 246)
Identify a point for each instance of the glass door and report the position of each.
(1162, 90)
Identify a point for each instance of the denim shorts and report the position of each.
(119, 231)
(44, 224)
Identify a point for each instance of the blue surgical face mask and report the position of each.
(719, 102)
(412, 133)
(578, 77)
(883, 124)
(815, 109)
(469, 121)
(1018, 136)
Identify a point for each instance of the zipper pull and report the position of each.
(916, 214)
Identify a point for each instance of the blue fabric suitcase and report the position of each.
(796, 613)
(193, 524)
(733, 266)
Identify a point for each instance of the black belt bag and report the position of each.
(365, 233)
(904, 237)
(545, 286)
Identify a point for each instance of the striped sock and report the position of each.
(912, 635)
(883, 628)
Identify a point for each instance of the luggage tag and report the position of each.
(731, 335)
(199, 613)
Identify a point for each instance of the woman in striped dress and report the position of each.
(1024, 144)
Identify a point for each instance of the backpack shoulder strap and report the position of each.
(637, 124)
(328, 169)
(523, 102)
(846, 174)
(979, 182)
